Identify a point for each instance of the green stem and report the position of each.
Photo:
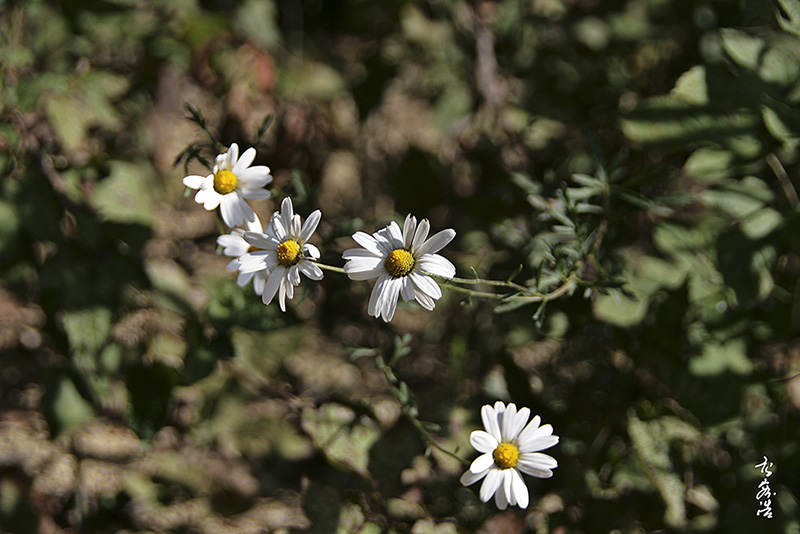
(423, 432)
(526, 293)
(484, 281)
(330, 267)
(430, 439)
(529, 295)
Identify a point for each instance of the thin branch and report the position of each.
(788, 189)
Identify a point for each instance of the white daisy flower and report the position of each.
(234, 246)
(233, 180)
(400, 259)
(283, 251)
(509, 447)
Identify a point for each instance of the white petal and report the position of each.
(508, 422)
(538, 443)
(384, 241)
(311, 270)
(255, 194)
(365, 274)
(437, 242)
(362, 253)
(407, 290)
(253, 177)
(247, 213)
(436, 264)
(261, 240)
(211, 199)
(363, 269)
(395, 236)
(233, 265)
(482, 463)
(287, 214)
(529, 430)
(254, 225)
(409, 228)
(508, 479)
(367, 241)
(377, 295)
(293, 275)
(391, 295)
(273, 283)
(489, 418)
(310, 225)
(500, 498)
(535, 438)
(311, 251)
(227, 208)
(426, 284)
(232, 156)
(243, 278)
(253, 262)
(490, 484)
(282, 294)
(483, 441)
(519, 421)
(519, 489)
(425, 301)
(259, 281)
(538, 458)
(194, 181)
(234, 243)
(421, 234)
(534, 470)
(296, 226)
(243, 162)
(469, 478)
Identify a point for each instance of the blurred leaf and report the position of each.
(87, 330)
(739, 199)
(79, 103)
(259, 21)
(717, 358)
(645, 275)
(691, 86)
(709, 165)
(68, 407)
(744, 49)
(311, 80)
(128, 194)
(344, 437)
(792, 10)
(261, 354)
(651, 440)
(761, 223)
(9, 227)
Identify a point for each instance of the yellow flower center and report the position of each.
(505, 455)
(225, 182)
(288, 252)
(399, 262)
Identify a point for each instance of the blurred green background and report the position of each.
(647, 147)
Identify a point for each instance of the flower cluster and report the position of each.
(404, 261)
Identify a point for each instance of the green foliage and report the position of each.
(625, 171)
